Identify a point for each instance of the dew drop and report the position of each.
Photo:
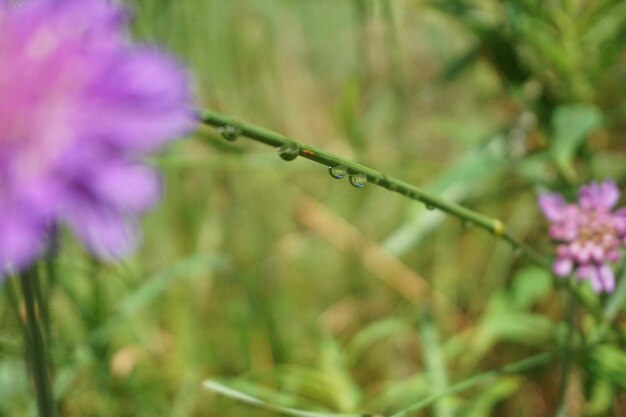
(289, 151)
(338, 172)
(228, 132)
(358, 180)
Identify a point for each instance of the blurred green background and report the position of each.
(286, 284)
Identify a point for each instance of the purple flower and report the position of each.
(590, 233)
(79, 108)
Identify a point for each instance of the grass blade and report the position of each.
(245, 398)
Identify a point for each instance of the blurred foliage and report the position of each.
(245, 275)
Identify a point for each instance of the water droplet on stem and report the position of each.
(338, 172)
(358, 180)
(289, 151)
(228, 132)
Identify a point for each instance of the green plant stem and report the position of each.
(14, 300)
(616, 299)
(568, 357)
(50, 268)
(494, 226)
(222, 389)
(277, 140)
(36, 352)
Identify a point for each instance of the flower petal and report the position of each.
(583, 272)
(562, 267)
(607, 278)
(96, 22)
(595, 280)
(21, 240)
(151, 106)
(107, 234)
(587, 195)
(598, 196)
(79, 109)
(609, 194)
(130, 188)
(552, 205)
(602, 278)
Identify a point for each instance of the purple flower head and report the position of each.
(79, 108)
(590, 233)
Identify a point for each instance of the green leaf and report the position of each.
(571, 125)
(601, 399)
(347, 111)
(529, 285)
(248, 399)
(609, 364)
(435, 365)
(397, 394)
(537, 168)
(14, 392)
(489, 397)
(330, 382)
(524, 328)
(345, 392)
(382, 330)
(160, 282)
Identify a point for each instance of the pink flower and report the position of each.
(590, 233)
(79, 109)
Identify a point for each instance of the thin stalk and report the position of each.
(12, 295)
(568, 357)
(616, 299)
(50, 267)
(375, 177)
(37, 356)
(235, 128)
(42, 307)
(435, 363)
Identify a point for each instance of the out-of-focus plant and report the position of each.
(561, 62)
(80, 108)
